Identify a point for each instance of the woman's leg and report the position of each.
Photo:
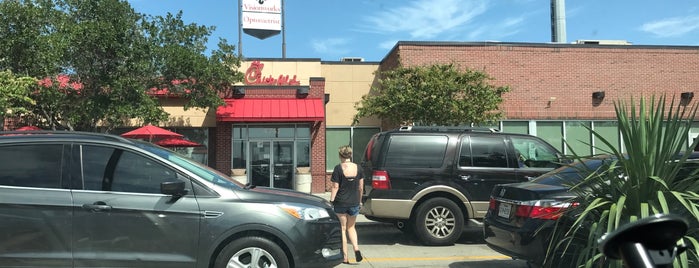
(352, 233)
(343, 223)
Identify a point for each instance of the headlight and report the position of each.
(305, 212)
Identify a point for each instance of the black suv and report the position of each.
(432, 181)
(73, 199)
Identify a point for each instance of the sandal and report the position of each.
(358, 255)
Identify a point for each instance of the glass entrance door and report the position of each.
(272, 163)
(283, 159)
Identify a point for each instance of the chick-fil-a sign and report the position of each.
(253, 76)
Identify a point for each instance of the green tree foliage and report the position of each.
(116, 56)
(652, 177)
(29, 40)
(432, 95)
(14, 94)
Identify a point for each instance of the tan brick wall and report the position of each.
(347, 83)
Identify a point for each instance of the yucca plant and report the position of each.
(648, 179)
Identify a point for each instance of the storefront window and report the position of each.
(303, 132)
(520, 127)
(551, 132)
(303, 153)
(357, 137)
(240, 133)
(271, 131)
(334, 138)
(578, 137)
(609, 130)
(239, 154)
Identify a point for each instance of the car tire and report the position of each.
(246, 251)
(438, 222)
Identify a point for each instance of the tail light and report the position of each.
(491, 206)
(543, 209)
(380, 180)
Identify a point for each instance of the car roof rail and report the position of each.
(63, 132)
(446, 129)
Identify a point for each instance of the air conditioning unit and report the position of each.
(602, 42)
(352, 59)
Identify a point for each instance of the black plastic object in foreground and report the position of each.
(648, 242)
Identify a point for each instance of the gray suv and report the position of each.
(73, 199)
(433, 181)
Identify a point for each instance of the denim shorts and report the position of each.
(352, 210)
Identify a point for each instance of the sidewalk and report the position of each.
(361, 220)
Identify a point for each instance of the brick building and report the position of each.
(558, 89)
(293, 114)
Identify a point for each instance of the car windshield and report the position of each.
(195, 167)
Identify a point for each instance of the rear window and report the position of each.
(416, 151)
(370, 148)
(570, 174)
(36, 165)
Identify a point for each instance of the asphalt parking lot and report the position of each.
(384, 246)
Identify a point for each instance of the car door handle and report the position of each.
(97, 207)
(465, 177)
(529, 178)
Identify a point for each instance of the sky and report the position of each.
(332, 29)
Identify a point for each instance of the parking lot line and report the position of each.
(452, 258)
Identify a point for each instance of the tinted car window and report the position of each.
(416, 151)
(116, 170)
(31, 165)
(94, 166)
(486, 152)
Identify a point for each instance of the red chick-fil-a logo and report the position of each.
(253, 76)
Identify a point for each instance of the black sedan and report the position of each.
(521, 216)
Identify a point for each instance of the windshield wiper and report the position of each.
(249, 186)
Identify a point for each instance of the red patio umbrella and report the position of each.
(177, 142)
(151, 132)
(28, 128)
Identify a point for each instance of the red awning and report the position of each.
(271, 110)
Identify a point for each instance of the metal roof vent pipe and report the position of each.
(558, 21)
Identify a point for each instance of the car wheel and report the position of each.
(438, 222)
(252, 252)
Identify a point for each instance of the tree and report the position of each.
(118, 57)
(432, 95)
(29, 43)
(14, 94)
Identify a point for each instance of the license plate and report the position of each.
(504, 210)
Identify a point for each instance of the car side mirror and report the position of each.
(174, 188)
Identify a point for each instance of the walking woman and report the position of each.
(346, 196)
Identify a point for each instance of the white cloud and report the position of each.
(333, 46)
(672, 27)
(425, 19)
(507, 27)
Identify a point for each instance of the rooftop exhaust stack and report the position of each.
(558, 21)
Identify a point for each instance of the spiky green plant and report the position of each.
(648, 179)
